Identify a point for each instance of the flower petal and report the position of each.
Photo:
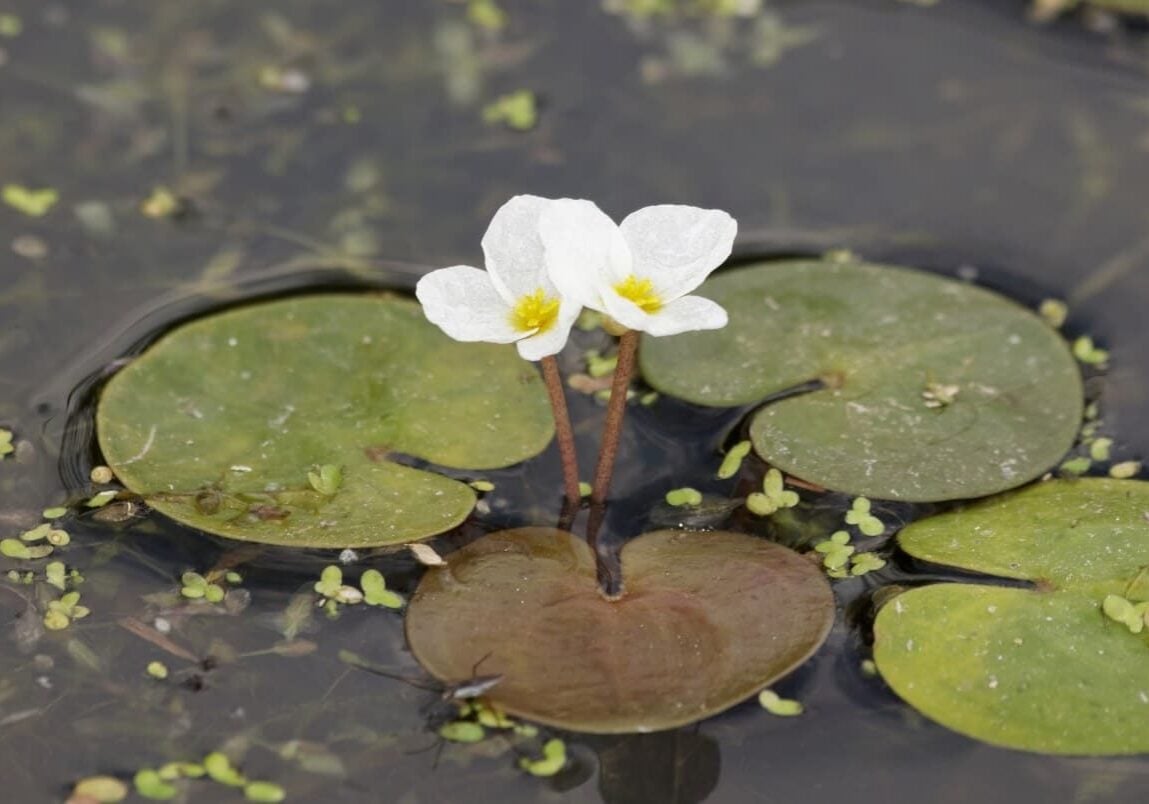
(585, 252)
(462, 301)
(676, 247)
(685, 315)
(513, 250)
(626, 312)
(551, 342)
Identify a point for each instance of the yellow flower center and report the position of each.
(535, 312)
(641, 292)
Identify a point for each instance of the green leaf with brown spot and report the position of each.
(222, 423)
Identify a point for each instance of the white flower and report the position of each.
(514, 300)
(640, 272)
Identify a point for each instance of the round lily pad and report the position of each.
(278, 422)
(935, 389)
(706, 619)
(1041, 668)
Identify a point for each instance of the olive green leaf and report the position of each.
(935, 389)
(1048, 668)
(277, 422)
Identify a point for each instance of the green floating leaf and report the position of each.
(33, 203)
(553, 761)
(1004, 397)
(777, 705)
(1041, 669)
(375, 591)
(149, 785)
(265, 792)
(462, 731)
(274, 422)
(675, 648)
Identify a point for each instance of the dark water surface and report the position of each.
(957, 137)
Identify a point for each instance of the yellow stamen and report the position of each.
(535, 312)
(641, 292)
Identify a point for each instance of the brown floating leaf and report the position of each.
(706, 620)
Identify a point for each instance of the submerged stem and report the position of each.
(563, 431)
(612, 430)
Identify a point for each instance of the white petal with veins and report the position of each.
(676, 247)
(513, 250)
(585, 252)
(686, 315)
(463, 302)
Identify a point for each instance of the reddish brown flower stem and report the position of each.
(616, 410)
(563, 431)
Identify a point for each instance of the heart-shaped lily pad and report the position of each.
(274, 422)
(1041, 669)
(937, 390)
(706, 619)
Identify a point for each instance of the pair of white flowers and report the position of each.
(548, 258)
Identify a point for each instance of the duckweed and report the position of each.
(219, 768)
(685, 496)
(486, 14)
(62, 612)
(33, 203)
(196, 587)
(1100, 449)
(1125, 469)
(859, 515)
(264, 792)
(517, 110)
(1075, 466)
(599, 366)
(861, 563)
(330, 581)
(101, 789)
(1131, 615)
(327, 479)
(554, 759)
(772, 497)
(462, 731)
(1085, 351)
(1054, 311)
(732, 462)
(375, 591)
(776, 705)
(149, 785)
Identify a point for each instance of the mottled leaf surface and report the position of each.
(1041, 669)
(220, 422)
(706, 620)
(936, 390)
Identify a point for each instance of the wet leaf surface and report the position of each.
(224, 423)
(1039, 669)
(706, 620)
(937, 390)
